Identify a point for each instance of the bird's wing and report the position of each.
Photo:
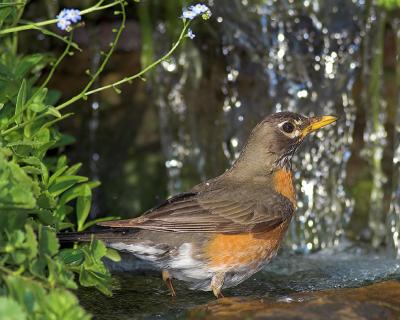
(190, 212)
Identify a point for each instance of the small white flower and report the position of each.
(190, 34)
(188, 15)
(197, 10)
(66, 17)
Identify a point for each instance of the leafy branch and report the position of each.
(145, 70)
(86, 92)
(34, 25)
(41, 193)
(56, 64)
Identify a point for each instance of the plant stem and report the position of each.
(149, 67)
(84, 93)
(55, 35)
(60, 58)
(35, 25)
(87, 87)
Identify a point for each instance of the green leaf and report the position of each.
(16, 187)
(34, 161)
(25, 143)
(45, 173)
(47, 217)
(31, 242)
(73, 257)
(93, 272)
(98, 249)
(20, 105)
(46, 200)
(73, 193)
(62, 161)
(37, 107)
(59, 274)
(54, 112)
(4, 12)
(11, 310)
(62, 304)
(73, 169)
(95, 279)
(113, 255)
(65, 225)
(62, 211)
(26, 292)
(52, 97)
(49, 124)
(38, 267)
(83, 205)
(27, 63)
(48, 242)
(40, 95)
(65, 139)
(63, 183)
(58, 173)
(32, 170)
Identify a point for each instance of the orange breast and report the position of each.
(237, 250)
(283, 184)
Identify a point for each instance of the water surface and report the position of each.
(141, 294)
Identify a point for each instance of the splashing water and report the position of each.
(393, 221)
(265, 58)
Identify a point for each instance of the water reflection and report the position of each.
(288, 279)
(331, 304)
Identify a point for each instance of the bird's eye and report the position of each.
(288, 127)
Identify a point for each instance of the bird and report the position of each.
(223, 230)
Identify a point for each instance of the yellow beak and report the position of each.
(317, 123)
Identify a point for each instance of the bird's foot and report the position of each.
(216, 284)
(167, 279)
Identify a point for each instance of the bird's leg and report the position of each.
(217, 282)
(167, 279)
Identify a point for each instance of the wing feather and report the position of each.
(215, 212)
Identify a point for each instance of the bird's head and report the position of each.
(273, 142)
(283, 132)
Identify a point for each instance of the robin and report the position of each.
(225, 229)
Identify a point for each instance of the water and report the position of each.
(141, 294)
(305, 57)
(394, 211)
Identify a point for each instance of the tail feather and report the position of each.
(70, 237)
(108, 236)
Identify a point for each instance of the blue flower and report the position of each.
(66, 17)
(63, 24)
(196, 10)
(199, 9)
(190, 34)
(188, 15)
(73, 15)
